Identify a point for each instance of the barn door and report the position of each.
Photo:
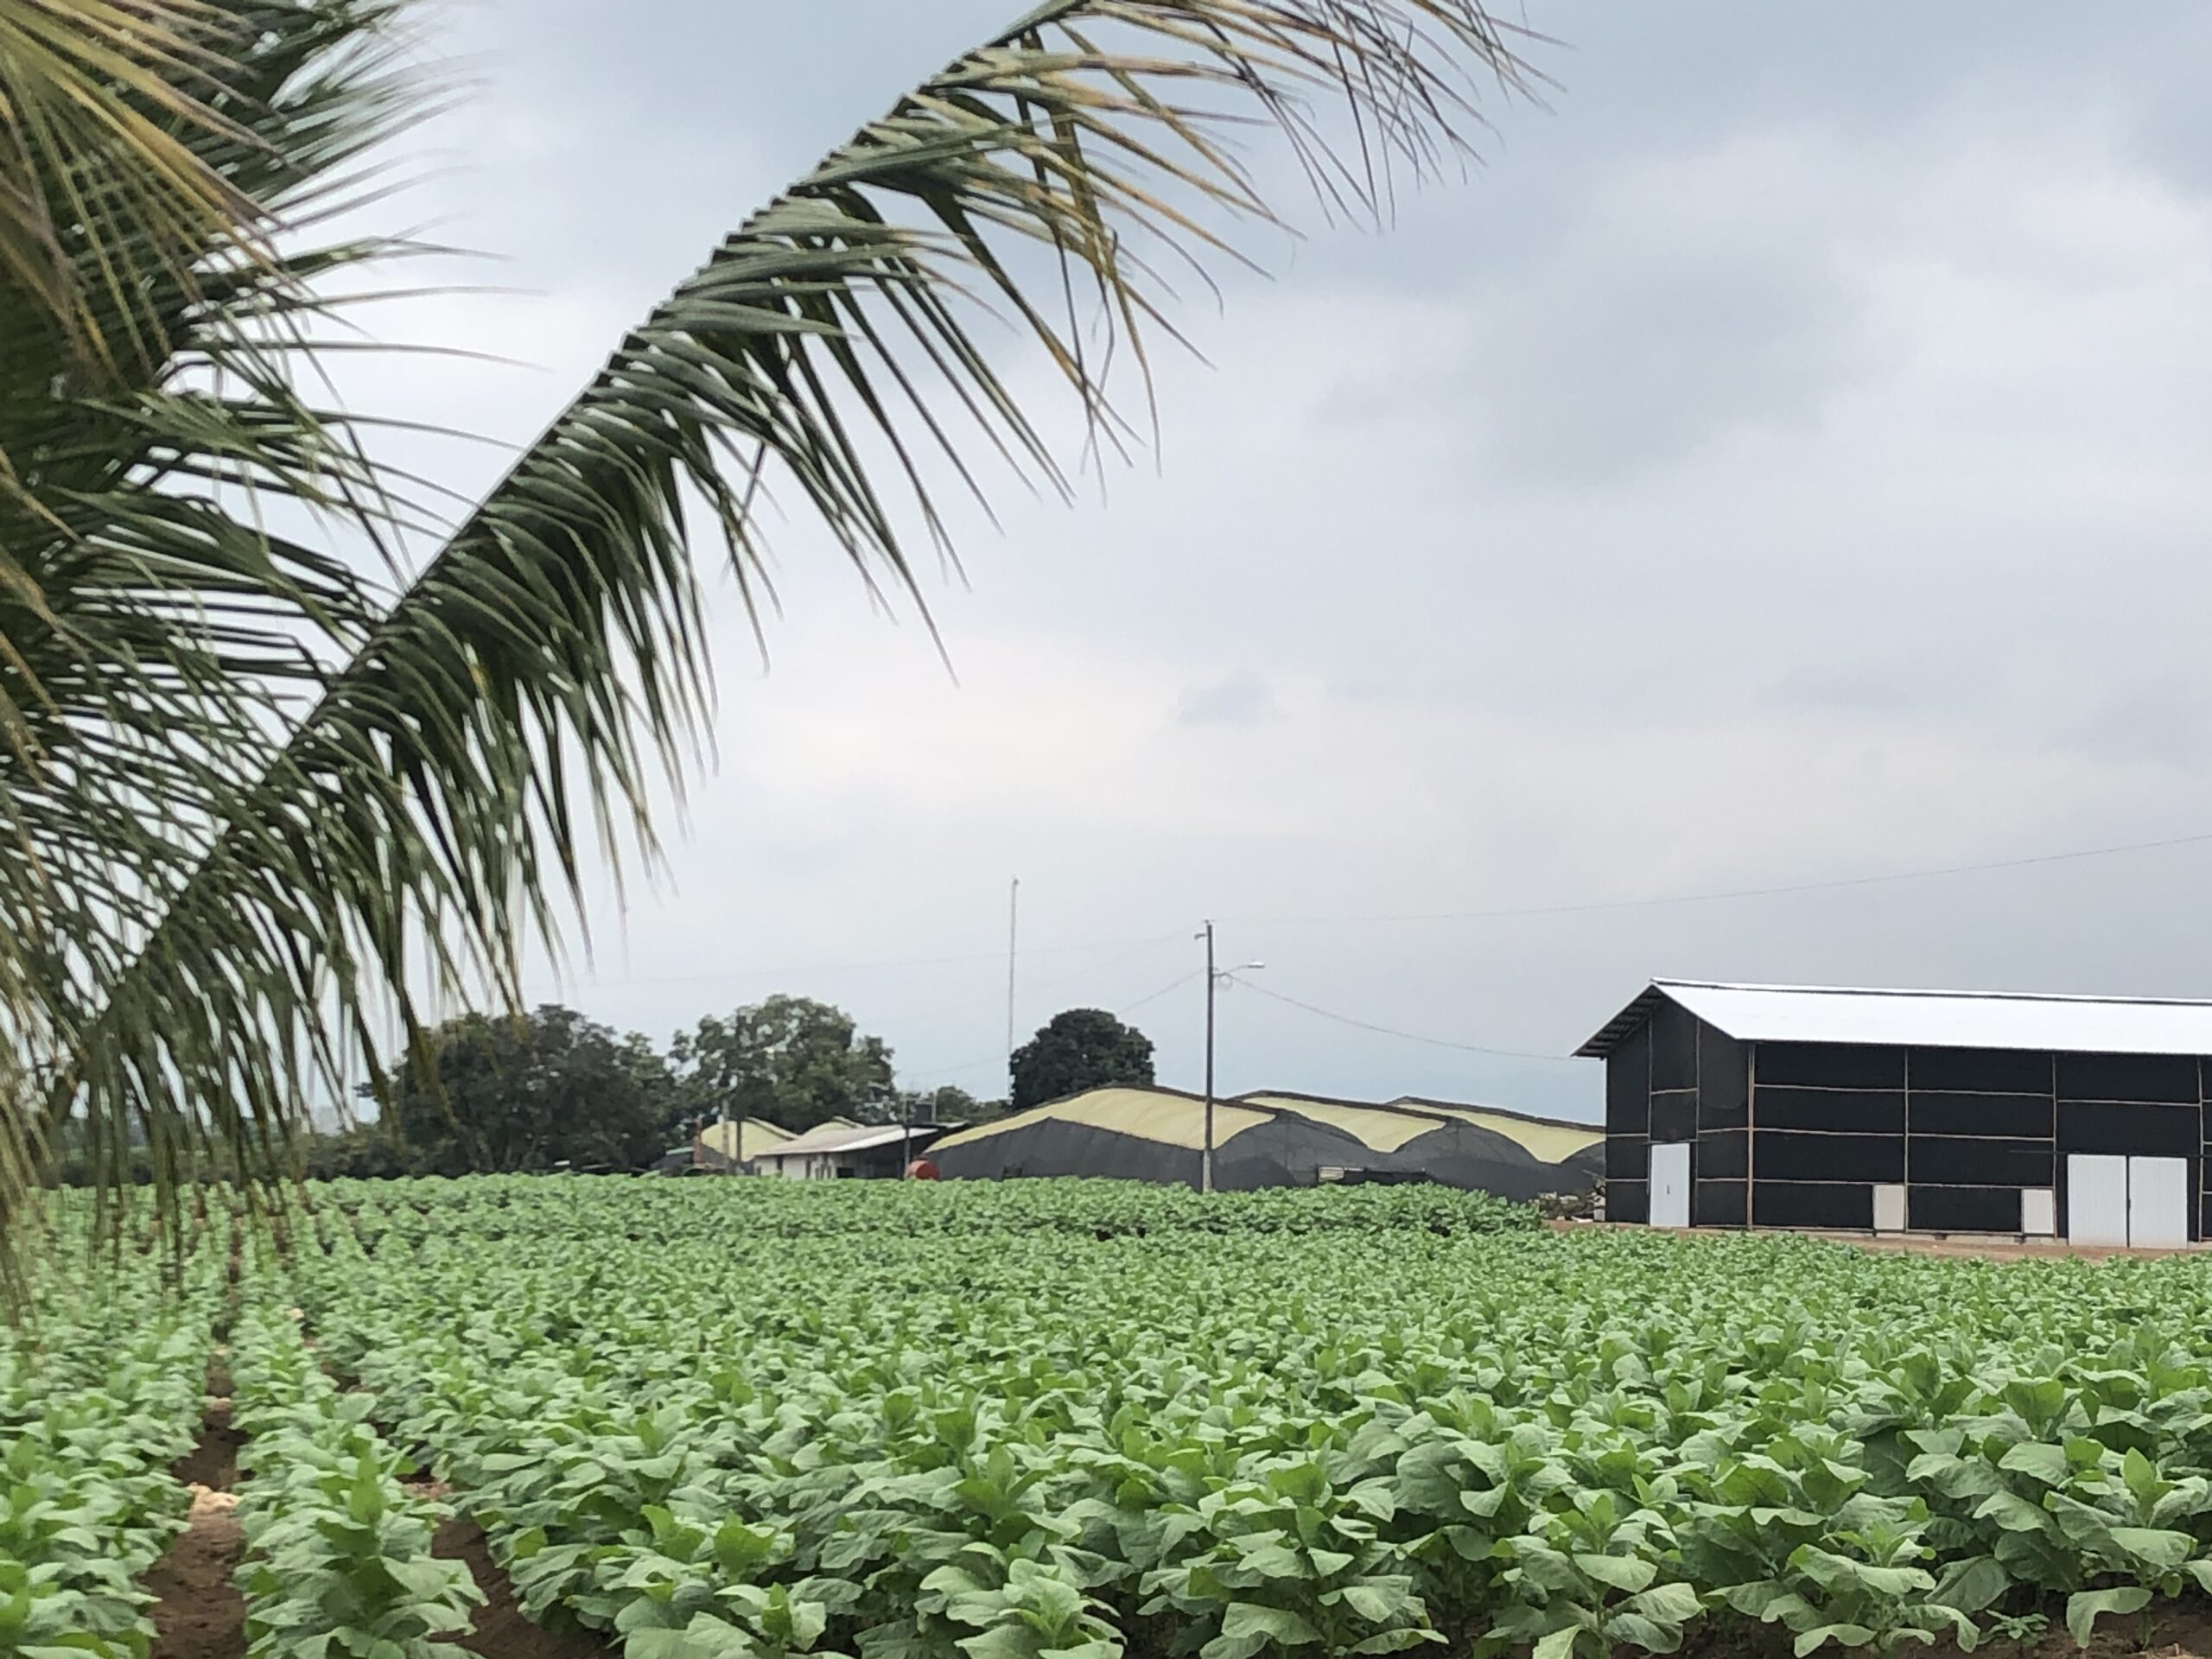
(2115, 1200)
(2158, 1202)
(2096, 1198)
(1670, 1185)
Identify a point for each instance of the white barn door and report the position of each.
(2158, 1202)
(1670, 1185)
(2096, 1198)
(2111, 1199)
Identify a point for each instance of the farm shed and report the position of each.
(714, 1145)
(2078, 1117)
(1270, 1139)
(843, 1152)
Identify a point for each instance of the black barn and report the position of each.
(1923, 1111)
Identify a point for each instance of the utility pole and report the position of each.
(1013, 939)
(1206, 1158)
(1216, 978)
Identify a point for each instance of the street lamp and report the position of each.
(1216, 977)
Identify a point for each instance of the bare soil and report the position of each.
(1972, 1245)
(2175, 1630)
(198, 1612)
(500, 1630)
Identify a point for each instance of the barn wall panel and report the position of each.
(1718, 1204)
(1831, 1065)
(1724, 1079)
(1981, 1070)
(1812, 1204)
(2011, 1116)
(1628, 1201)
(1724, 1154)
(2168, 1077)
(1628, 1157)
(1962, 1208)
(1674, 1046)
(1842, 1111)
(1980, 1160)
(2130, 1127)
(1628, 1085)
(1674, 1115)
(1791, 1155)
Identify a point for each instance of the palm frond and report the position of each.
(100, 102)
(159, 638)
(428, 818)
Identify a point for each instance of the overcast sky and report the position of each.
(1783, 460)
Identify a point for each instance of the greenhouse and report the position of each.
(1274, 1138)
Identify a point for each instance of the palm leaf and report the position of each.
(428, 818)
(158, 640)
(100, 102)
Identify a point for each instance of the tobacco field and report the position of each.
(742, 1420)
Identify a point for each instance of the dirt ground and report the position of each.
(500, 1630)
(197, 1611)
(1971, 1245)
(2180, 1630)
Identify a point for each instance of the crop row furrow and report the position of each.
(338, 1549)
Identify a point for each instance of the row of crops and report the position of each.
(1044, 1421)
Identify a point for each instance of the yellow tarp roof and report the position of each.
(1154, 1114)
(1377, 1131)
(1178, 1119)
(759, 1135)
(1553, 1142)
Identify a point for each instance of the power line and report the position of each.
(1126, 1008)
(1155, 996)
(1391, 1030)
(1123, 1012)
(1508, 913)
(1497, 914)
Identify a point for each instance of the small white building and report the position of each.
(841, 1152)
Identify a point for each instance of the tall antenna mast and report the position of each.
(1012, 943)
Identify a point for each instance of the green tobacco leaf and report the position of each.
(1245, 1619)
(1653, 1636)
(2039, 1460)
(2085, 1607)
(1625, 1573)
(1847, 1636)
(1972, 1585)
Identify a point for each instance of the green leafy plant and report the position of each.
(338, 1553)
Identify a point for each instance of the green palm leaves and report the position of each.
(431, 809)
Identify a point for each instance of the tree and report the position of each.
(945, 1104)
(792, 1060)
(261, 792)
(1082, 1048)
(526, 1092)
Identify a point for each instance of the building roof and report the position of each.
(1172, 1117)
(1166, 1115)
(1552, 1139)
(2015, 1020)
(844, 1137)
(759, 1135)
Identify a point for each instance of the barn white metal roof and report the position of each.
(843, 1137)
(2020, 1020)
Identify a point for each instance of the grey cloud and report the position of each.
(1641, 552)
(2167, 724)
(1243, 698)
(1887, 683)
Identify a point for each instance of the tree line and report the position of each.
(551, 1089)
